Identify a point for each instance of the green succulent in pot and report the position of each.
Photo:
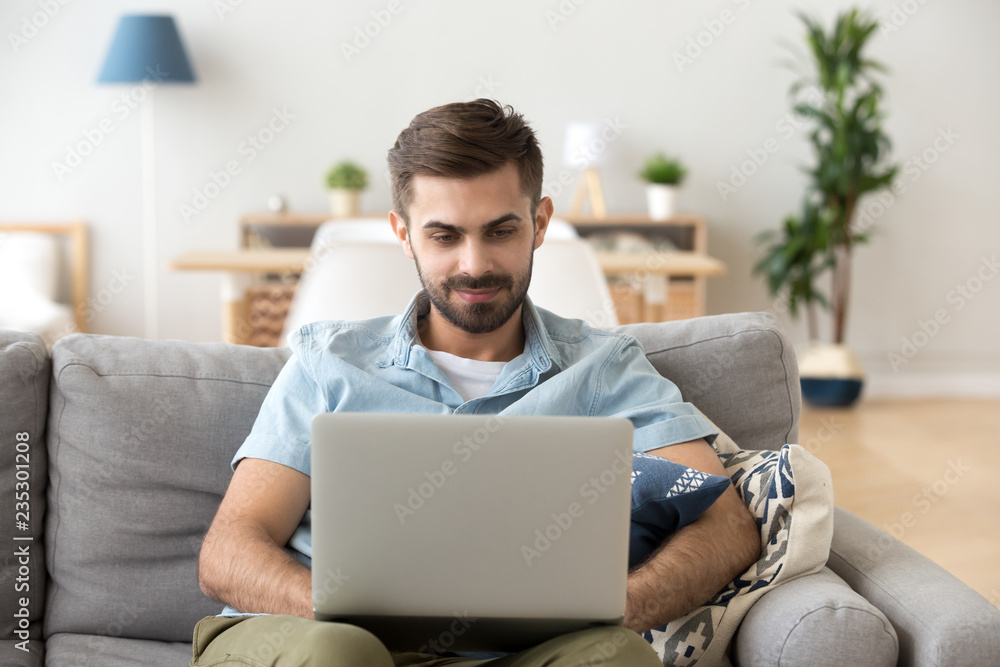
(346, 176)
(663, 170)
(663, 175)
(345, 181)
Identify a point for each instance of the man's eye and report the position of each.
(502, 233)
(443, 238)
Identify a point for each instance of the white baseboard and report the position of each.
(932, 385)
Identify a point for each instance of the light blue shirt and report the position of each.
(567, 368)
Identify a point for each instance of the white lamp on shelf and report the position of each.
(585, 149)
(147, 50)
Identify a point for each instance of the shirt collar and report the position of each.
(541, 351)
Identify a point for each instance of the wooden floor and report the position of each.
(927, 471)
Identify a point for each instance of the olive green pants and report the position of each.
(286, 641)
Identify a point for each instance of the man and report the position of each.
(466, 187)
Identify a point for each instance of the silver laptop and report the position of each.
(470, 532)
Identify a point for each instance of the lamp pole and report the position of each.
(149, 237)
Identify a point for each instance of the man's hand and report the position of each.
(699, 559)
(242, 561)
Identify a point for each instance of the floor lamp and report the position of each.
(147, 50)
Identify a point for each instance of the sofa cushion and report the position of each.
(816, 620)
(141, 435)
(666, 496)
(24, 396)
(739, 369)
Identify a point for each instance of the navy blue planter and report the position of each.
(831, 392)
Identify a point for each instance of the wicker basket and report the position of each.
(631, 307)
(682, 300)
(268, 307)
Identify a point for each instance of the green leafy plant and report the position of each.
(346, 176)
(841, 99)
(660, 169)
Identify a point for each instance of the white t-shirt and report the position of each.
(471, 378)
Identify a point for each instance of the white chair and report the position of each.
(376, 230)
(567, 279)
(352, 280)
(31, 268)
(358, 270)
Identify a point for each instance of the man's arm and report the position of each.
(242, 560)
(697, 560)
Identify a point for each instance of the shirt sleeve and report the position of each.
(282, 431)
(634, 389)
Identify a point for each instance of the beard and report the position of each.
(483, 317)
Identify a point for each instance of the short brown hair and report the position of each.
(464, 140)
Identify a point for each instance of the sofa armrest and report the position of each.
(939, 619)
(815, 620)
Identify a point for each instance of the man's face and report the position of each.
(473, 242)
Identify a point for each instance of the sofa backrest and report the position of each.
(141, 434)
(739, 369)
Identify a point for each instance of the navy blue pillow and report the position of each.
(666, 496)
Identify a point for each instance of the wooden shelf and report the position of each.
(656, 286)
(680, 263)
(285, 219)
(275, 260)
(632, 219)
(252, 221)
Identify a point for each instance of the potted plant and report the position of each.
(850, 148)
(663, 175)
(345, 181)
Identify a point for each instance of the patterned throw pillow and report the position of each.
(666, 496)
(791, 493)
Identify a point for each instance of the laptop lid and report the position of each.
(495, 532)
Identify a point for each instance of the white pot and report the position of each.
(831, 375)
(661, 200)
(344, 203)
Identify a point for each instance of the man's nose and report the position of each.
(475, 259)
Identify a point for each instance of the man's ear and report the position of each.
(399, 229)
(542, 216)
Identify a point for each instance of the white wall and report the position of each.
(605, 59)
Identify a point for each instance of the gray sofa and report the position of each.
(127, 456)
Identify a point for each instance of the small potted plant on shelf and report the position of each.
(850, 148)
(663, 175)
(345, 181)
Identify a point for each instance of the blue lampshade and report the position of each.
(146, 47)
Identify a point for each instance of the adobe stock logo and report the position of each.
(923, 501)
(704, 39)
(31, 26)
(122, 107)
(433, 480)
(221, 179)
(381, 18)
(959, 296)
(591, 490)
